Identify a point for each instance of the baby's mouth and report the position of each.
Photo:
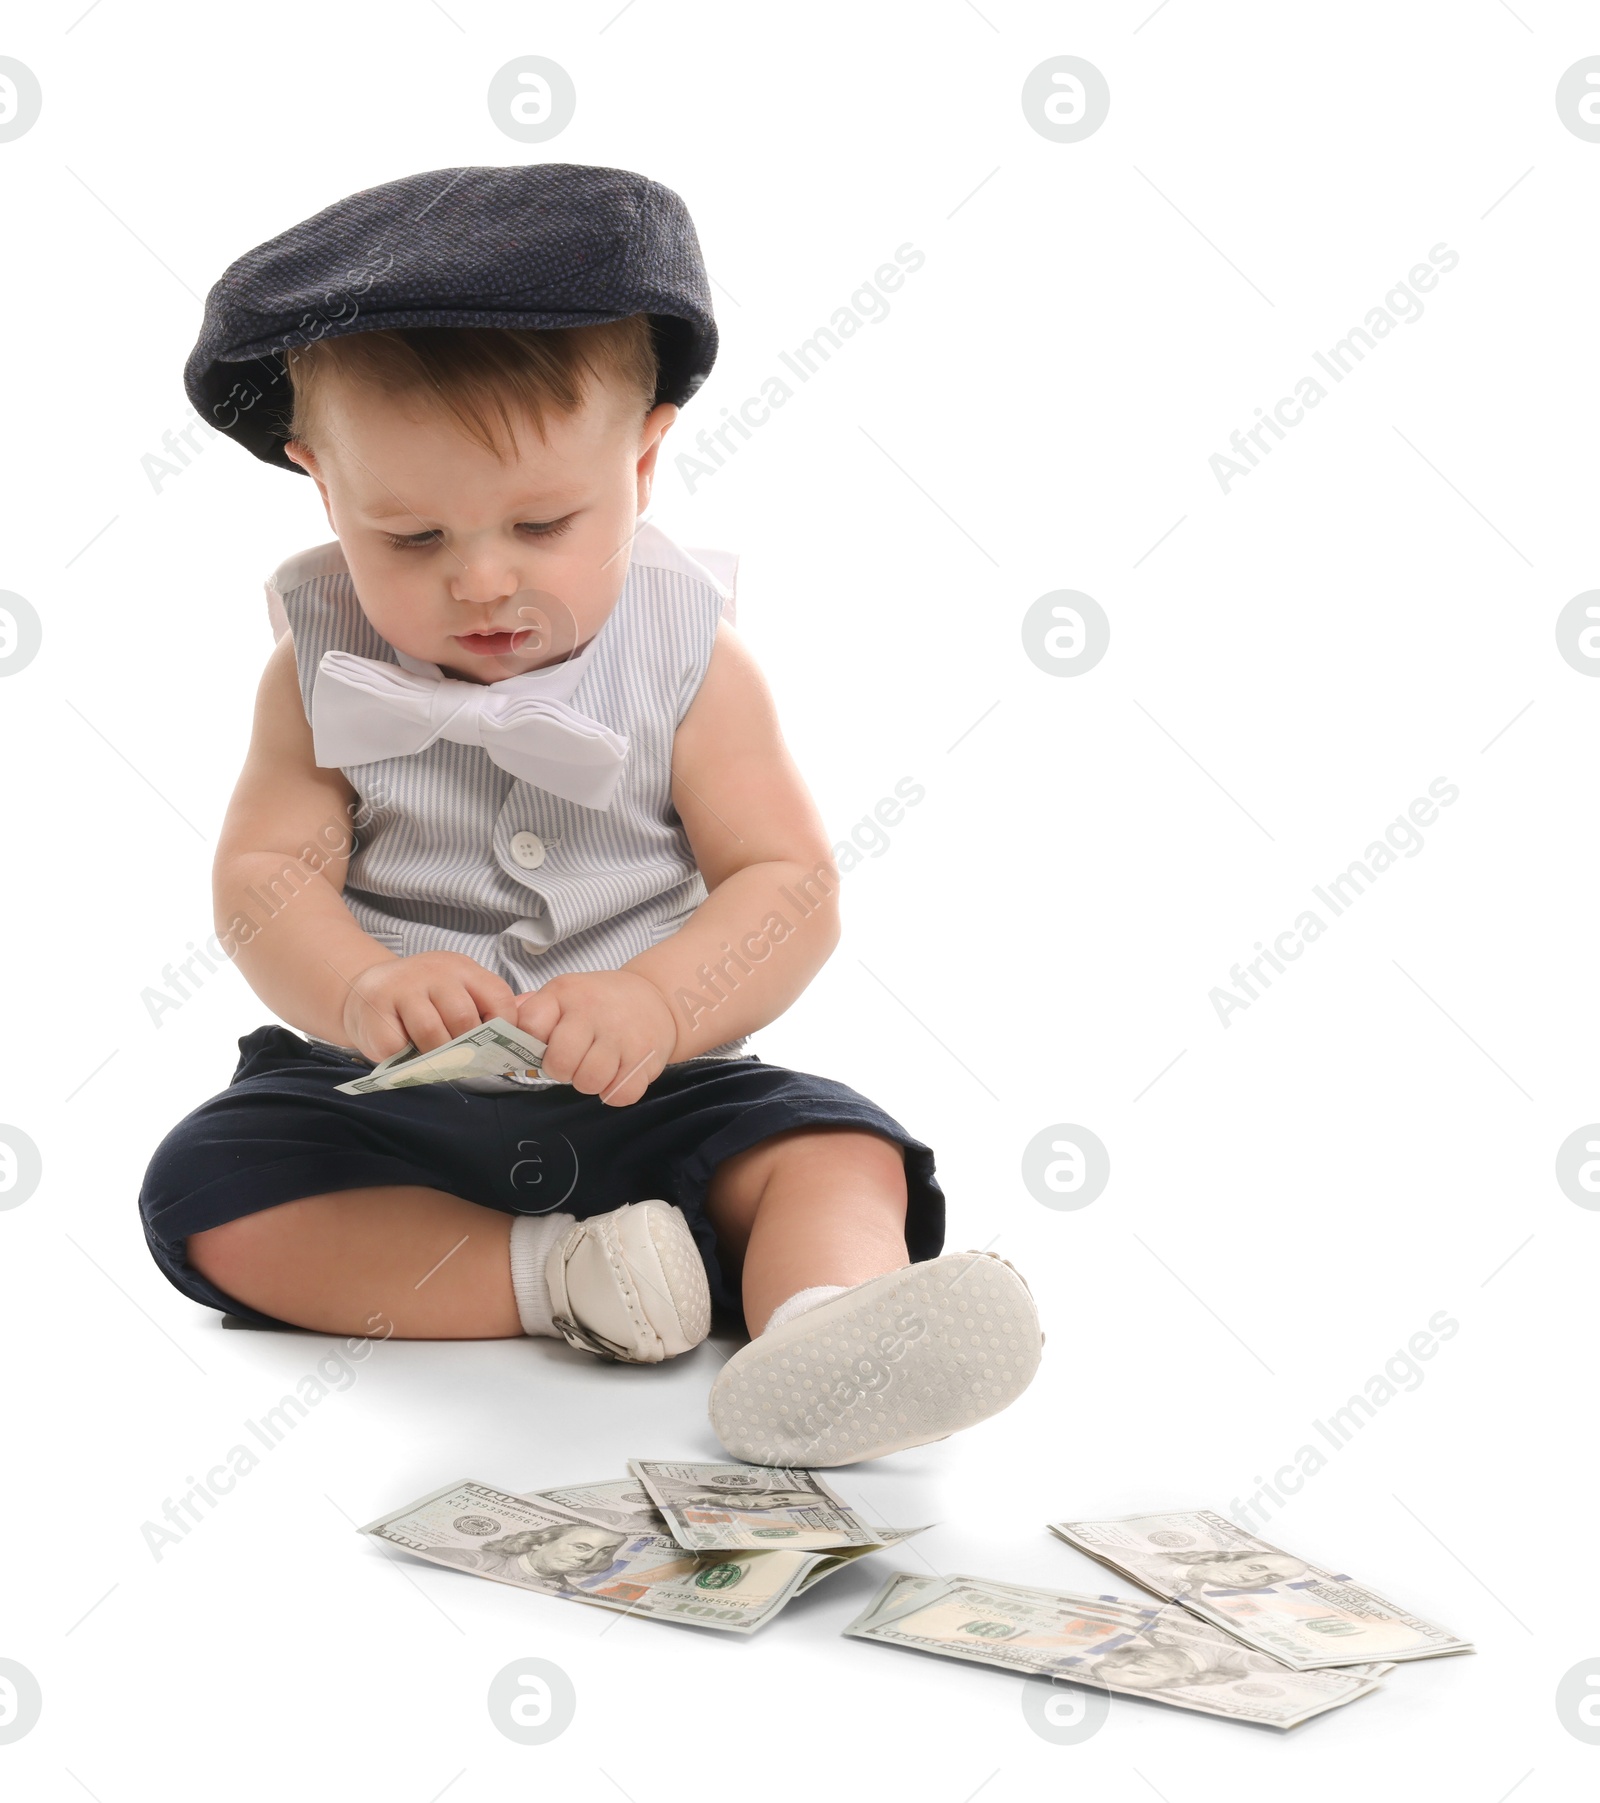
(493, 644)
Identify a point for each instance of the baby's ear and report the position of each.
(656, 424)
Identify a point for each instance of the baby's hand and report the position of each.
(610, 1032)
(423, 1001)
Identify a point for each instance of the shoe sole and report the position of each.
(911, 1357)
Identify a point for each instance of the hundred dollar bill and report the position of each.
(1161, 1653)
(721, 1506)
(1373, 1671)
(1301, 1613)
(612, 1503)
(624, 1503)
(905, 1592)
(830, 1562)
(905, 1588)
(536, 1546)
(492, 1057)
(902, 1591)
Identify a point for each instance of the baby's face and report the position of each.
(487, 569)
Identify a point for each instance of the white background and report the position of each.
(1369, 1143)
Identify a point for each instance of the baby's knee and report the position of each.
(235, 1252)
(837, 1153)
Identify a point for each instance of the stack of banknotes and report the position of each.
(1246, 1630)
(490, 1058)
(717, 1546)
(1239, 1628)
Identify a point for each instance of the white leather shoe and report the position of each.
(897, 1361)
(630, 1285)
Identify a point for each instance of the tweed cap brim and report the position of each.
(551, 245)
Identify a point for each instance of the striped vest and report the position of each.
(444, 838)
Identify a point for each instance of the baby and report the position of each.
(510, 760)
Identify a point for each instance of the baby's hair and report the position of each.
(479, 375)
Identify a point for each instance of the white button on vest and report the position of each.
(528, 850)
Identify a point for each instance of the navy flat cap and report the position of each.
(554, 244)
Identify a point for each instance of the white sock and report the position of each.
(802, 1300)
(533, 1238)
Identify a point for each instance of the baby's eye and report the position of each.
(420, 541)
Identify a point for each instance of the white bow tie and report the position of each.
(363, 710)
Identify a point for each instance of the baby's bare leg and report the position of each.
(433, 1265)
(813, 1205)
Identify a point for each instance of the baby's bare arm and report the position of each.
(278, 886)
(771, 917)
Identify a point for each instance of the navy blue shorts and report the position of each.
(280, 1130)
